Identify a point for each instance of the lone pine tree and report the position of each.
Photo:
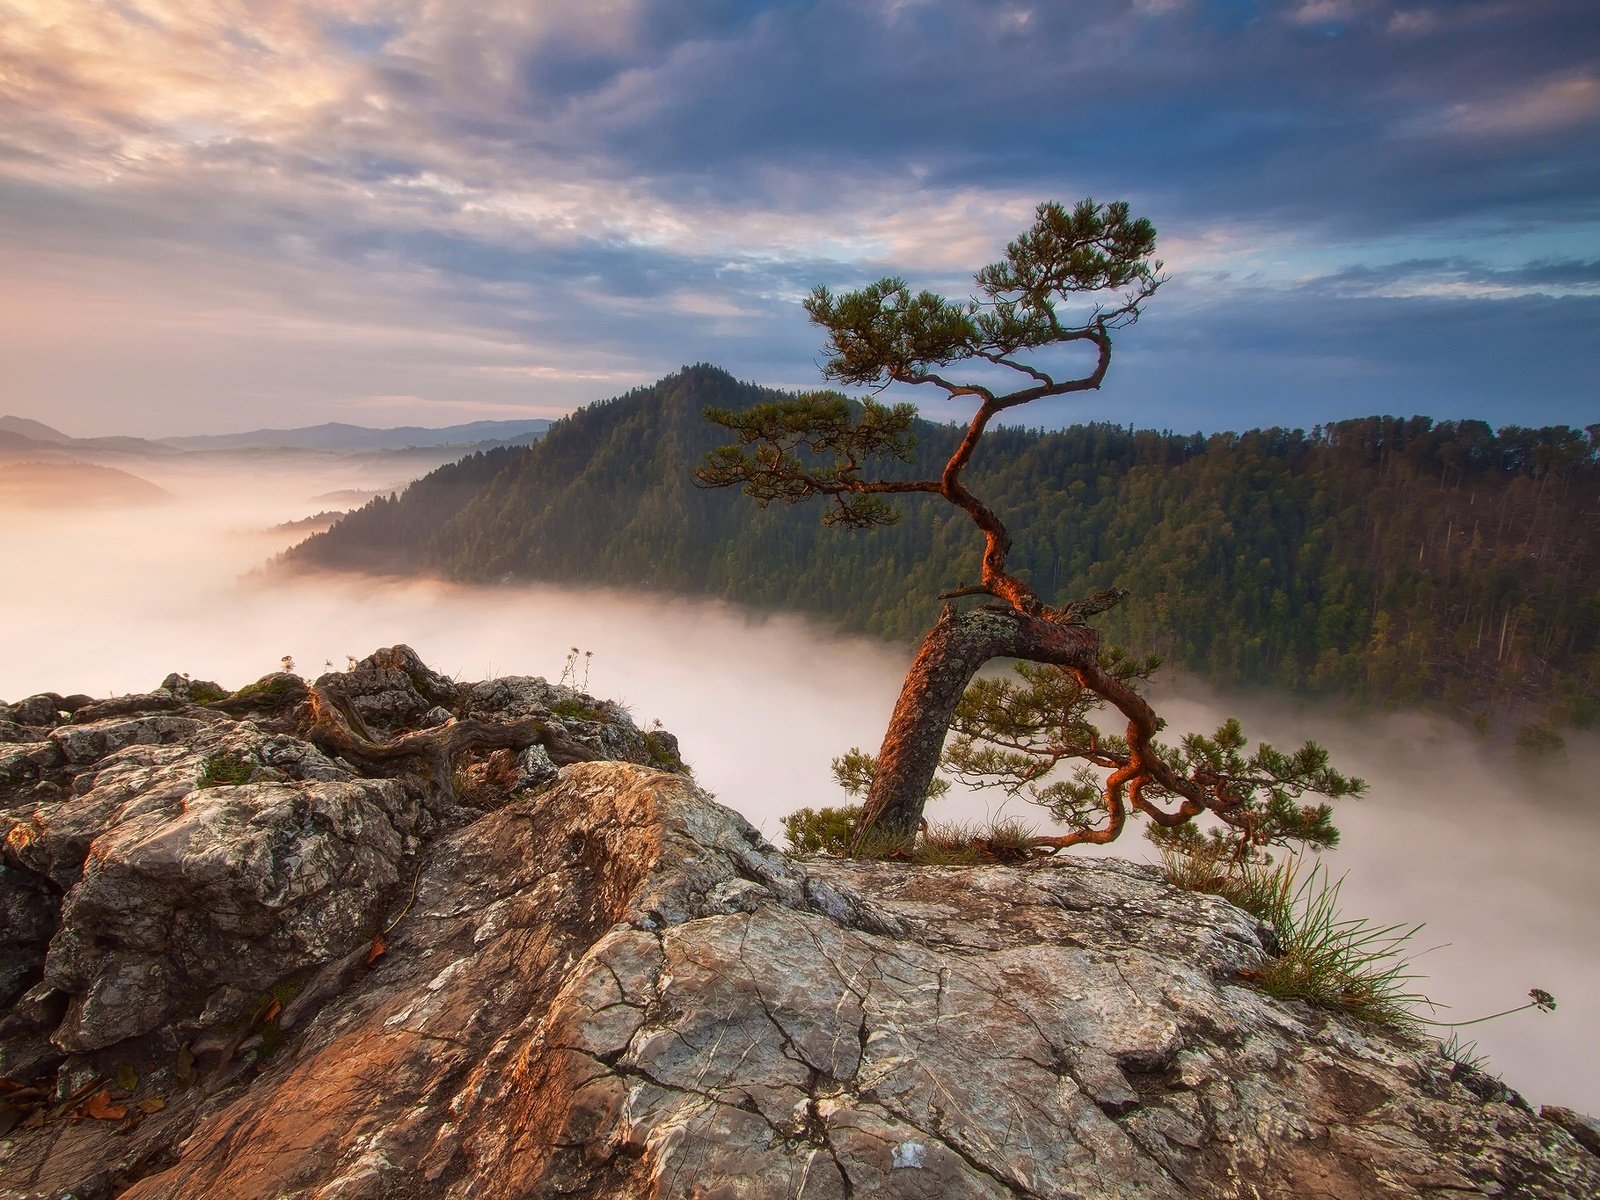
(1011, 331)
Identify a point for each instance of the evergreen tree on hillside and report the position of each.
(822, 446)
(1384, 560)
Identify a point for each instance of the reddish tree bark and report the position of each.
(950, 655)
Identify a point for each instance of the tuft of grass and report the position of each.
(1201, 868)
(1463, 1055)
(947, 844)
(207, 693)
(1343, 963)
(1009, 840)
(221, 771)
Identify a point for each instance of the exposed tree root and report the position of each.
(333, 725)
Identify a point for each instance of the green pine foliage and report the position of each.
(1383, 560)
(1037, 736)
(822, 830)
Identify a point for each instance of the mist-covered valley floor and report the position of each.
(1494, 855)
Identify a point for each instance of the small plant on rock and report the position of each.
(221, 771)
(662, 751)
(575, 671)
(1343, 963)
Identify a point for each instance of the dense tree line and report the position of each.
(1386, 560)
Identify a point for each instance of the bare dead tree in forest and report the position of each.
(817, 445)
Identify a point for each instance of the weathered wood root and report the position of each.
(272, 693)
(430, 752)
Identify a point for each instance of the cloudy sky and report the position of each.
(221, 214)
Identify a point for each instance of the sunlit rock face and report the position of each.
(171, 864)
(610, 986)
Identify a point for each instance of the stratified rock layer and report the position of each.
(615, 988)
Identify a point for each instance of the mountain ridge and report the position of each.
(1387, 560)
(340, 435)
(33, 430)
(24, 433)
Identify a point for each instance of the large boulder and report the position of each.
(616, 988)
(391, 688)
(184, 918)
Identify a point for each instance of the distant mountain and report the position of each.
(36, 430)
(73, 484)
(335, 436)
(21, 438)
(1384, 559)
(315, 523)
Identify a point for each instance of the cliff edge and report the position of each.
(246, 957)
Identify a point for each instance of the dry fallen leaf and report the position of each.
(272, 1012)
(100, 1107)
(151, 1104)
(378, 949)
(127, 1077)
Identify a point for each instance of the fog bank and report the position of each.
(1497, 858)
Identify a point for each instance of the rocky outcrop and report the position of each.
(606, 985)
(169, 863)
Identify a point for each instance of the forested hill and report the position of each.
(1384, 560)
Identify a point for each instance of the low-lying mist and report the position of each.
(1495, 855)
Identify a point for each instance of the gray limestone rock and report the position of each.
(1584, 1128)
(229, 889)
(616, 988)
(22, 761)
(391, 688)
(612, 987)
(42, 709)
(534, 768)
(123, 706)
(175, 889)
(192, 690)
(602, 725)
(82, 744)
(10, 731)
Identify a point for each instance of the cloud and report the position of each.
(1548, 106)
(1462, 277)
(604, 192)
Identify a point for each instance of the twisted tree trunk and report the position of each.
(950, 655)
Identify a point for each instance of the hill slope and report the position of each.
(35, 430)
(1384, 559)
(73, 484)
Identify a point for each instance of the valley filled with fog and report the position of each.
(1494, 855)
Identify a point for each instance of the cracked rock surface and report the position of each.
(614, 987)
(186, 876)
